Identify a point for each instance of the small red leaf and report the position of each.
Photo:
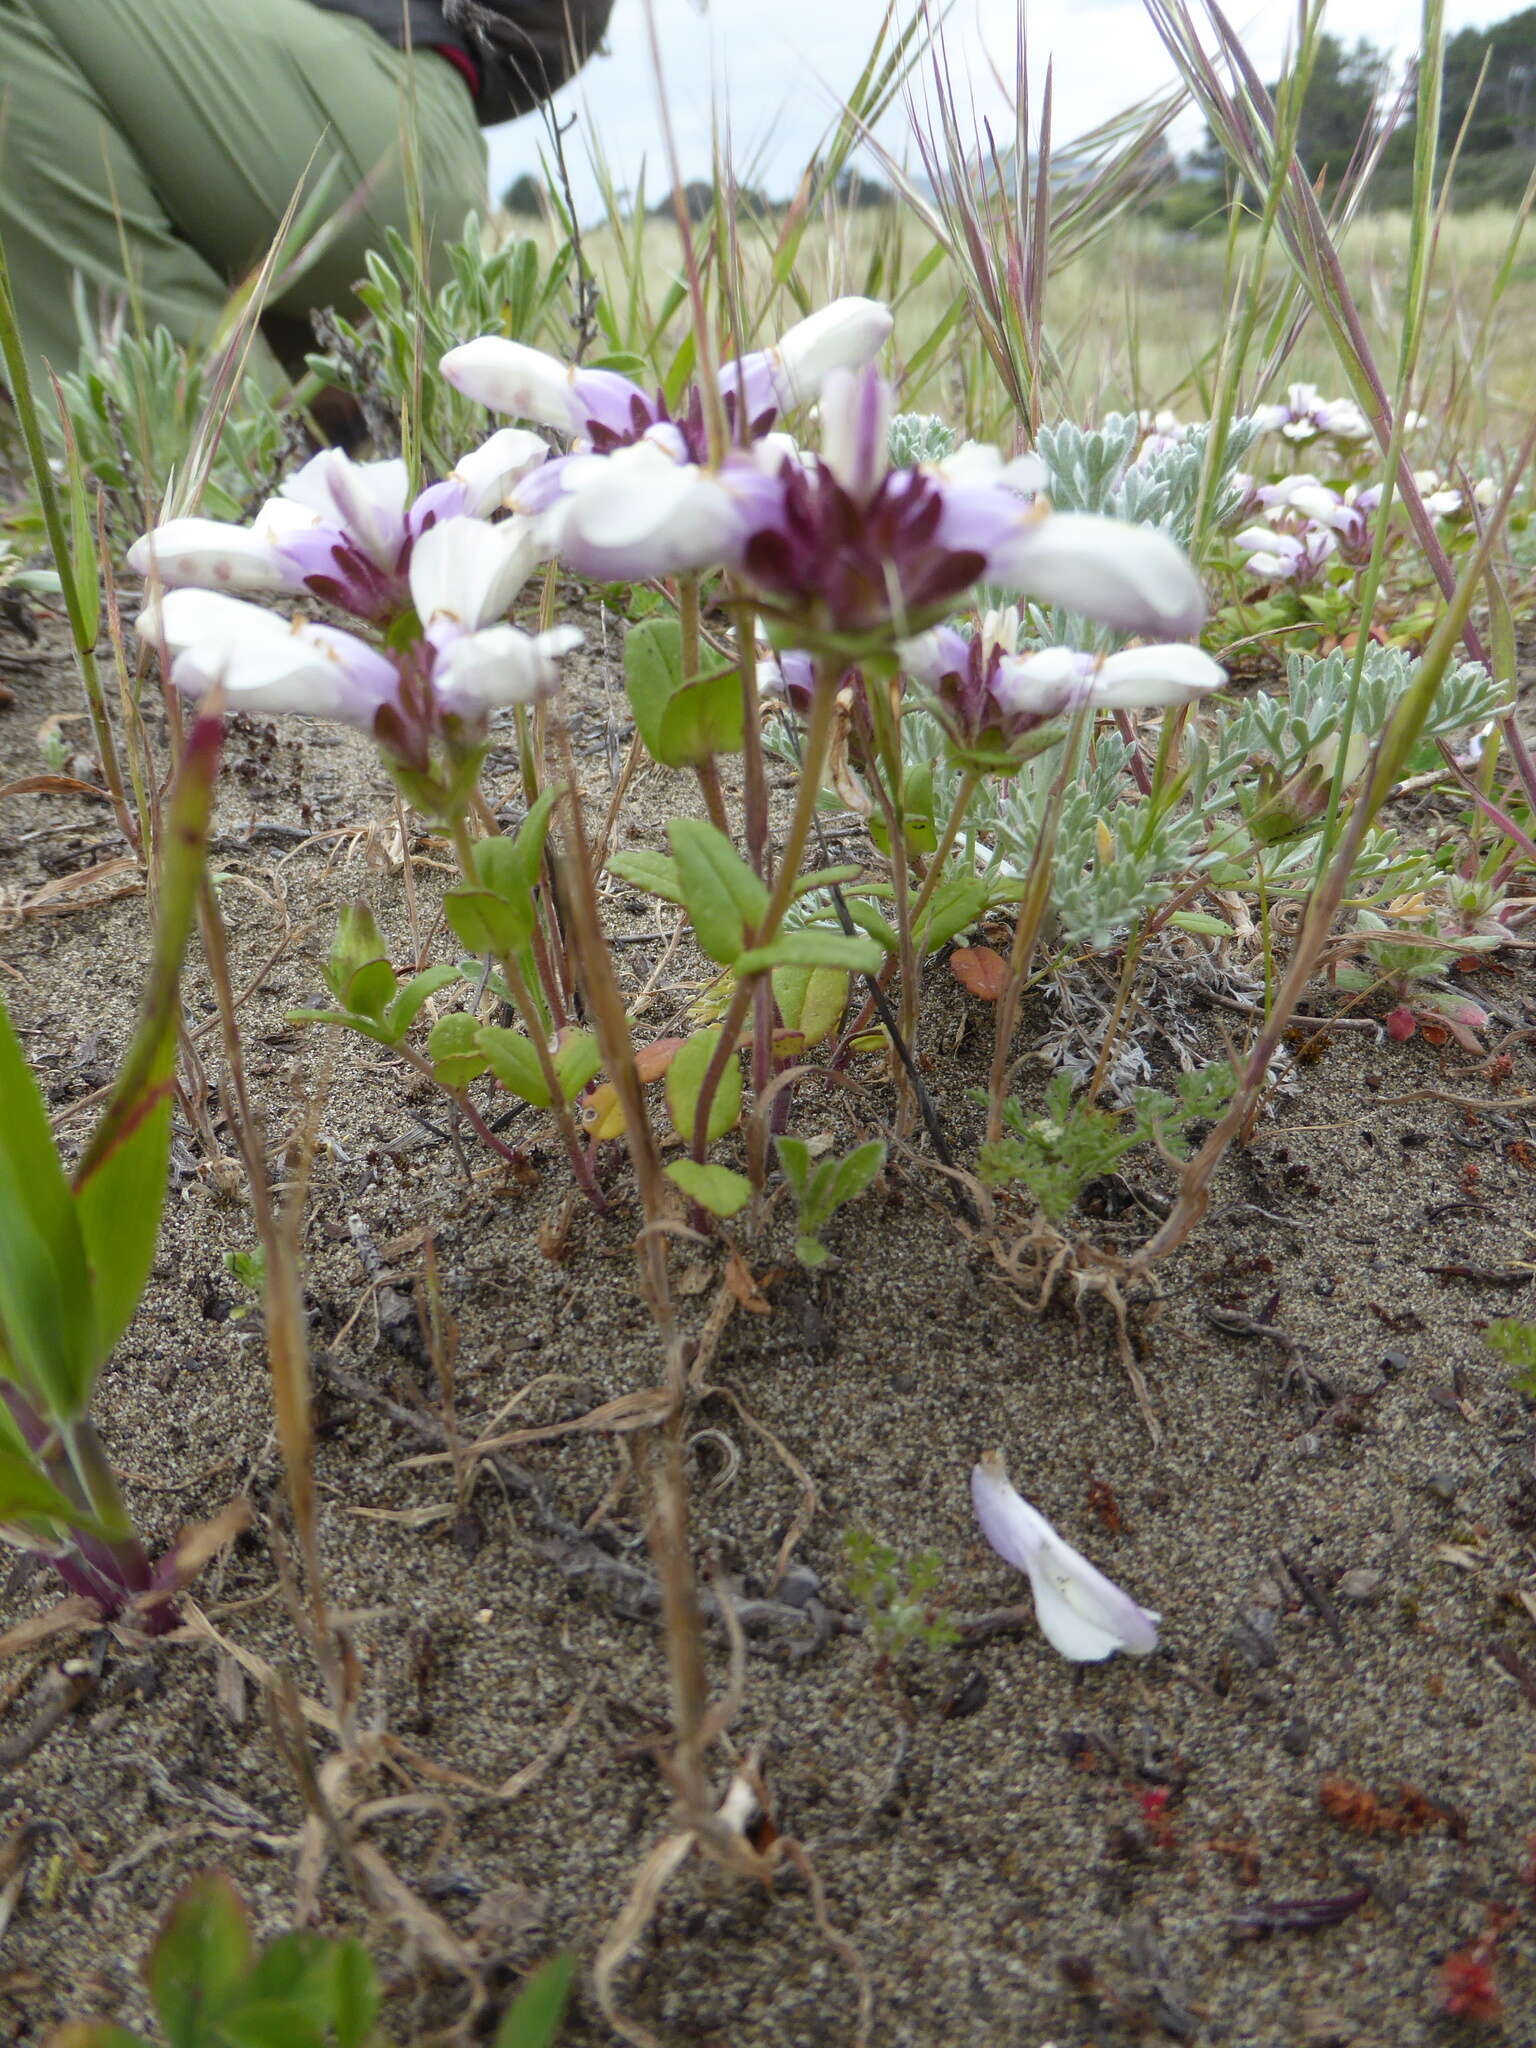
(980, 970)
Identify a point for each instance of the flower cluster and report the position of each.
(1305, 415)
(846, 552)
(992, 699)
(1311, 523)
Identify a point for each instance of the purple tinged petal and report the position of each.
(264, 662)
(932, 656)
(855, 430)
(1084, 1615)
(366, 501)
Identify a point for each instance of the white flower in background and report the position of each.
(1276, 557)
(1441, 500)
(1081, 1613)
(1305, 415)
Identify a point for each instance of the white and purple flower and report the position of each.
(1084, 1615)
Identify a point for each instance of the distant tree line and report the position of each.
(524, 197)
(1488, 101)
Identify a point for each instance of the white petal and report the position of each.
(211, 553)
(465, 572)
(502, 665)
(1081, 1613)
(1144, 676)
(1133, 578)
(366, 500)
(182, 616)
(489, 471)
(843, 336)
(510, 377)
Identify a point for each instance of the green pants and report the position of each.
(150, 150)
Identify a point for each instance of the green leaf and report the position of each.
(653, 673)
(271, 2023)
(527, 846)
(358, 945)
(685, 1080)
(297, 1968)
(723, 896)
(956, 904)
(813, 946)
(869, 919)
(403, 1011)
(715, 1188)
(26, 1495)
(795, 1160)
(199, 1964)
(46, 1309)
(577, 1059)
(487, 922)
(650, 871)
(824, 878)
(811, 1252)
(454, 1050)
(655, 873)
(513, 1060)
(855, 1172)
(120, 1181)
(705, 717)
(1203, 922)
(95, 2034)
(811, 1000)
(533, 2019)
(354, 1994)
(364, 1026)
(370, 989)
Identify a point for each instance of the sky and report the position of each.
(775, 69)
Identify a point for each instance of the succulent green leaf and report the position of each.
(705, 717)
(47, 1318)
(795, 1160)
(655, 873)
(403, 1011)
(486, 921)
(577, 1060)
(653, 673)
(854, 1173)
(811, 1000)
(513, 1060)
(813, 946)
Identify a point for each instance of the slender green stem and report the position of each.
(818, 740)
(534, 1024)
(83, 623)
(970, 781)
(1037, 899)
